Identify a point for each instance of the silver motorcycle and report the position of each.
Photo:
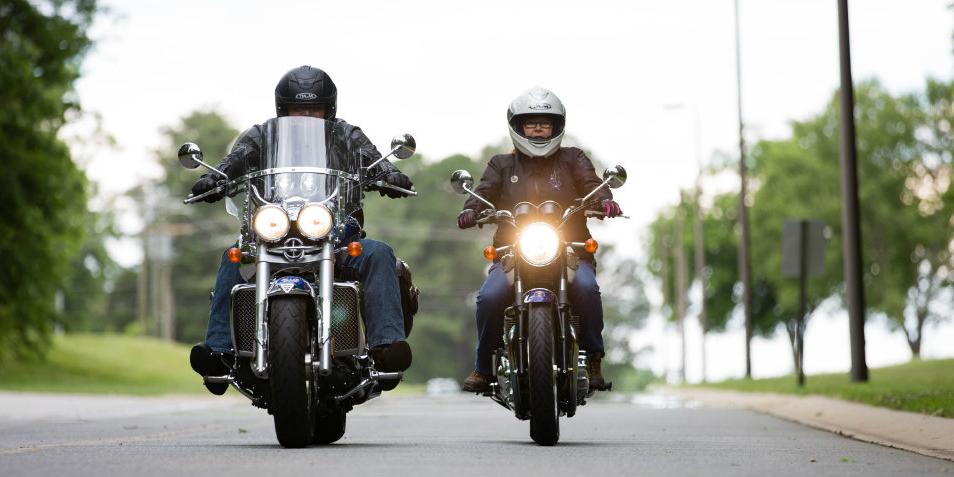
(298, 333)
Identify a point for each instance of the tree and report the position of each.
(41, 189)
(722, 290)
(197, 234)
(85, 297)
(905, 227)
(904, 150)
(625, 309)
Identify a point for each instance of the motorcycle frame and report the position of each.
(565, 337)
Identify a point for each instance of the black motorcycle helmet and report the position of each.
(306, 85)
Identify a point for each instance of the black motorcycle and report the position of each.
(540, 370)
(298, 333)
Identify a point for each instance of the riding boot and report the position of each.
(207, 362)
(593, 368)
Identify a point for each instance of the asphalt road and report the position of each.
(446, 436)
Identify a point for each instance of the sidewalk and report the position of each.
(928, 435)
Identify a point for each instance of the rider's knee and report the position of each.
(489, 296)
(377, 250)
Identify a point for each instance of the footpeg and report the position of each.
(379, 376)
(227, 379)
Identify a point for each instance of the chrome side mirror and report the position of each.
(615, 176)
(190, 156)
(461, 181)
(403, 146)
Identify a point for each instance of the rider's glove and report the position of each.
(396, 179)
(467, 219)
(611, 209)
(205, 184)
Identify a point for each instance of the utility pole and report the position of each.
(142, 293)
(850, 215)
(744, 268)
(665, 256)
(680, 258)
(700, 265)
(698, 237)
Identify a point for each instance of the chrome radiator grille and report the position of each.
(347, 324)
(243, 319)
(347, 327)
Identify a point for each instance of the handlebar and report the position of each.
(489, 216)
(220, 189)
(384, 185)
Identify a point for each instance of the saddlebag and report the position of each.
(409, 295)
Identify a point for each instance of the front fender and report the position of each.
(539, 295)
(291, 285)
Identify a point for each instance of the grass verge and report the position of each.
(106, 364)
(923, 386)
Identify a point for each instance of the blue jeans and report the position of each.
(496, 295)
(374, 268)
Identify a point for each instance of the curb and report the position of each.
(927, 435)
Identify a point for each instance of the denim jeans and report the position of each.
(374, 268)
(496, 294)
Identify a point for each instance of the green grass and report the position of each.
(106, 364)
(117, 364)
(918, 386)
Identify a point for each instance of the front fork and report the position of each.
(262, 277)
(326, 277)
(326, 288)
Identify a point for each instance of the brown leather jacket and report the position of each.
(513, 178)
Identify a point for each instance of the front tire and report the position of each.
(288, 343)
(544, 414)
(330, 428)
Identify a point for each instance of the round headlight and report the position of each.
(314, 221)
(539, 244)
(270, 223)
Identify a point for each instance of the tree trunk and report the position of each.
(916, 343)
(792, 330)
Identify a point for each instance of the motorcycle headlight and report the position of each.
(270, 223)
(539, 244)
(314, 221)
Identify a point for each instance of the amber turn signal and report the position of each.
(354, 249)
(490, 253)
(590, 245)
(235, 255)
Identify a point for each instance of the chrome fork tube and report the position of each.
(326, 276)
(262, 275)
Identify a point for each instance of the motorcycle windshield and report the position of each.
(307, 160)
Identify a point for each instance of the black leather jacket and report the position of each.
(564, 176)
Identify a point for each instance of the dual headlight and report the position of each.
(271, 222)
(539, 244)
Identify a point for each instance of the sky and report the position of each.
(636, 78)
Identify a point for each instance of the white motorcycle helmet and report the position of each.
(536, 102)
